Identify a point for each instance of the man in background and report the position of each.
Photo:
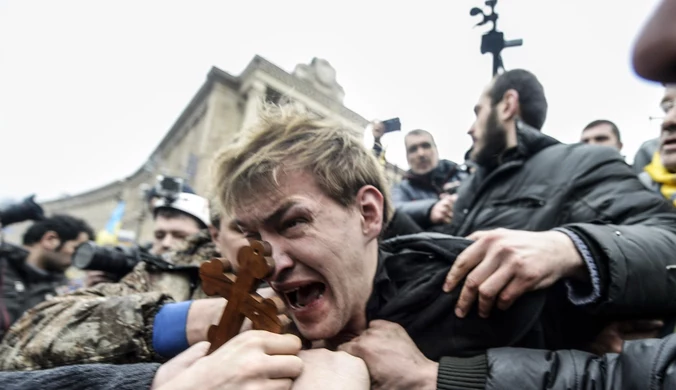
(36, 272)
(602, 132)
(427, 192)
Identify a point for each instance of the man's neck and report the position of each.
(358, 324)
(512, 140)
(34, 259)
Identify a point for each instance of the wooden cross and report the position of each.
(255, 264)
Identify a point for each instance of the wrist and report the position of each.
(430, 374)
(574, 265)
(202, 314)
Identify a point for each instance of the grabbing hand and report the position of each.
(327, 370)
(442, 211)
(254, 359)
(504, 264)
(393, 359)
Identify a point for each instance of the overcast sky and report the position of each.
(88, 88)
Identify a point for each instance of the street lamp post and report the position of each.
(493, 41)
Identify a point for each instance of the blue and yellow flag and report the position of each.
(108, 236)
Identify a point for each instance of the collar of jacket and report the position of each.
(401, 261)
(665, 179)
(437, 177)
(529, 142)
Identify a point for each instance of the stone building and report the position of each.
(221, 108)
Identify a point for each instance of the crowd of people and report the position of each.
(534, 264)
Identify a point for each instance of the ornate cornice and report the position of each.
(302, 86)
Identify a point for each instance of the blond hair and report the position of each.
(288, 138)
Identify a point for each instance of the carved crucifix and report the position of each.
(255, 264)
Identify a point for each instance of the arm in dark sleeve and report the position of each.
(632, 235)
(643, 364)
(418, 210)
(90, 376)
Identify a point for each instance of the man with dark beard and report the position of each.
(533, 198)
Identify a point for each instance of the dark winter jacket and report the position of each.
(589, 190)
(642, 365)
(407, 290)
(89, 377)
(416, 194)
(23, 286)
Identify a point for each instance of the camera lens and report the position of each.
(84, 254)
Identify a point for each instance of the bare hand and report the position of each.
(504, 264)
(179, 364)
(613, 336)
(378, 129)
(327, 370)
(392, 358)
(254, 359)
(442, 211)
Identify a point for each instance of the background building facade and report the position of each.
(224, 106)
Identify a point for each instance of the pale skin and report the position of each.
(251, 360)
(394, 361)
(504, 264)
(601, 135)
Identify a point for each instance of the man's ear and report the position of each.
(370, 203)
(509, 106)
(50, 240)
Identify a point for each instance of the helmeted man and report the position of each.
(53, 334)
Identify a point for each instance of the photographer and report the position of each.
(177, 215)
(148, 316)
(35, 272)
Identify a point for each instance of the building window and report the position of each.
(272, 96)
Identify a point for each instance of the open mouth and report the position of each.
(669, 141)
(303, 296)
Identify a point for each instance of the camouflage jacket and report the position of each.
(106, 323)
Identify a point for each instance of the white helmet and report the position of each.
(190, 204)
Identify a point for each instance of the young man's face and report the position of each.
(325, 254)
(170, 232)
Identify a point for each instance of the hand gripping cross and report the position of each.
(255, 264)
